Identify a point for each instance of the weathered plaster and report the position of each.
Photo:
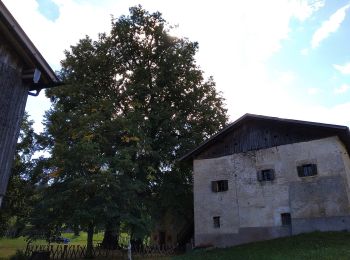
(251, 210)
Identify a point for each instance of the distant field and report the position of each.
(8, 246)
(317, 245)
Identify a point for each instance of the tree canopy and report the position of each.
(134, 101)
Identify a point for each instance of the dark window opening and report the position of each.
(219, 186)
(216, 222)
(307, 170)
(286, 219)
(266, 175)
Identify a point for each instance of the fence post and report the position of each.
(63, 256)
(27, 249)
(129, 251)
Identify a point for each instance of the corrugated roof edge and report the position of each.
(230, 126)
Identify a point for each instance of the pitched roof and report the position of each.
(23, 46)
(337, 130)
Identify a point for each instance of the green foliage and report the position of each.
(20, 255)
(317, 245)
(133, 103)
(167, 106)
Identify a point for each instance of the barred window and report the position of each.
(286, 219)
(219, 186)
(266, 175)
(307, 170)
(216, 221)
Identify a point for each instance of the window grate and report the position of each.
(219, 186)
(306, 170)
(216, 221)
(286, 219)
(266, 175)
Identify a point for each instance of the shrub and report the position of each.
(19, 256)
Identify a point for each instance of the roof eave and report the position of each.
(26, 45)
(201, 147)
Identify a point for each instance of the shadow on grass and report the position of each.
(316, 245)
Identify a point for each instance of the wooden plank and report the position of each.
(255, 135)
(12, 104)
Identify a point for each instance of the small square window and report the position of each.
(266, 175)
(286, 219)
(307, 170)
(216, 222)
(219, 186)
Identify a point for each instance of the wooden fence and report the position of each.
(79, 252)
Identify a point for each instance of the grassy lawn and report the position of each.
(8, 246)
(317, 245)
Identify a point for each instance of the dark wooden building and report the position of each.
(23, 71)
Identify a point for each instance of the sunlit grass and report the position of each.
(9, 246)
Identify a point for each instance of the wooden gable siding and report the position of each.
(262, 134)
(12, 104)
(8, 56)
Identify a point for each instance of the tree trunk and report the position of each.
(136, 244)
(76, 230)
(90, 236)
(111, 235)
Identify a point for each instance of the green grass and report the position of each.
(8, 247)
(317, 245)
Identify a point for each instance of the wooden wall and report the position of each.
(7, 55)
(261, 134)
(13, 97)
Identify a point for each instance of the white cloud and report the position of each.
(313, 91)
(304, 52)
(344, 69)
(329, 26)
(236, 38)
(342, 89)
(304, 9)
(337, 114)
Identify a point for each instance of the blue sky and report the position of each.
(49, 9)
(318, 79)
(285, 58)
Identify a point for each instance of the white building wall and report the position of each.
(251, 210)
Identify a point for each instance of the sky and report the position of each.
(284, 58)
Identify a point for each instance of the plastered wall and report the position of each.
(251, 210)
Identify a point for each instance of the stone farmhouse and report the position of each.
(23, 72)
(265, 177)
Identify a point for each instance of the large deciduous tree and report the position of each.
(134, 101)
(168, 106)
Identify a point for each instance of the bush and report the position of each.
(19, 256)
